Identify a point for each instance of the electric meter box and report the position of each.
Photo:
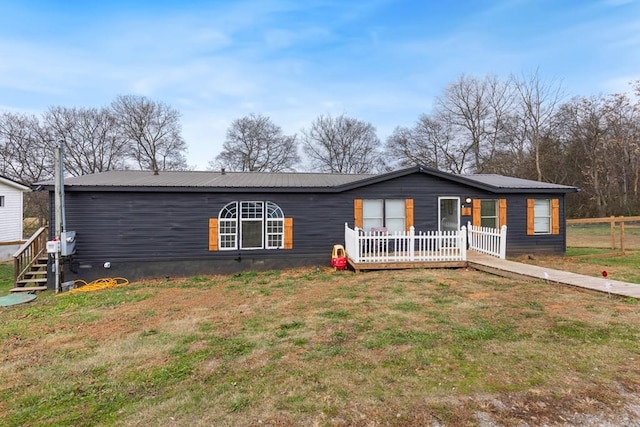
(67, 243)
(53, 246)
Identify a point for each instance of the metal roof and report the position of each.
(509, 182)
(210, 179)
(134, 180)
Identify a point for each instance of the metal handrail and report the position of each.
(29, 253)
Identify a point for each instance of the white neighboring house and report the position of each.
(11, 218)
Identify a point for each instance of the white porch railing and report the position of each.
(488, 240)
(362, 247)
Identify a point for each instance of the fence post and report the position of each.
(613, 232)
(503, 242)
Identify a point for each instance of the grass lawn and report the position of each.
(318, 347)
(599, 236)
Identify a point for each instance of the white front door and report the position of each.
(449, 213)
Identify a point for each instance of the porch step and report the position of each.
(29, 289)
(27, 281)
(35, 272)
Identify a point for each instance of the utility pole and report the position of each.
(59, 210)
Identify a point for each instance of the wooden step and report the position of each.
(26, 281)
(29, 289)
(35, 272)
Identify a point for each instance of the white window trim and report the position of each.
(266, 218)
(249, 219)
(225, 222)
(388, 218)
(384, 219)
(497, 212)
(547, 217)
(278, 221)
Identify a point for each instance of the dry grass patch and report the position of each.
(317, 347)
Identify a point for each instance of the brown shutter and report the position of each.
(531, 217)
(288, 233)
(502, 212)
(213, 234)
(475, 219)
(357, 212)
(555, 216)
(408, 213)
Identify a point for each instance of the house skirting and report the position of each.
(139, 270)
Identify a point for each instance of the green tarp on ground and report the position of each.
(15, 299)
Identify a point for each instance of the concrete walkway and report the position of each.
(502, 267)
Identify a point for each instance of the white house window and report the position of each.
(275, 226)
(1, 201)
(542, 216)
(489, 213)
(372, 214)
(251, 225)
(228, 226)
(389, 214)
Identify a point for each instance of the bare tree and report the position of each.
(623, 133)
(585, 124)
(153, 129)
(429, 142)
(342, 145)
(26, 148)
(536, 103)
(92, 141)
(476, 109)
(26, 155)
(255, 144)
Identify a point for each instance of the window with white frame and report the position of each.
(228, 226)
(275, 226)
(1, 201)
(542, 216)
(251, 225)
(380, 213)
(489, 213)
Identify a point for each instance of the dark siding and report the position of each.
(168, 231)
(518, 242)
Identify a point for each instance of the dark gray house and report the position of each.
(142, 224)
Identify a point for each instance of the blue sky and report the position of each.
(382, 61)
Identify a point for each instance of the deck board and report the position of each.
(508, 268)
(363, 266)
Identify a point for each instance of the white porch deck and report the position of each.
(431, 249)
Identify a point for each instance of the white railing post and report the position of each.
(357, 243)
(412, 247)
(503, 242)
(463, 243)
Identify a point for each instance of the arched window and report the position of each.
(251, 225)
(275, 226)
(228, 226)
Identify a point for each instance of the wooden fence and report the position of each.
(616, 223)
